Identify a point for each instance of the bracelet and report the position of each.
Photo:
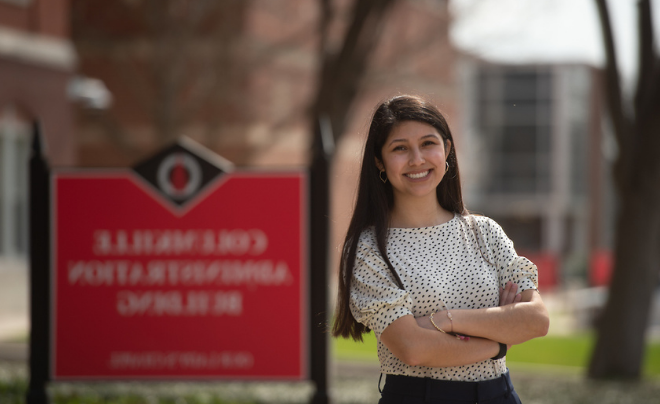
(502, 353)
(458, 336)
(461, 337)
(436, 327)
(451, 320)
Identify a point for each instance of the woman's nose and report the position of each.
(416, 157)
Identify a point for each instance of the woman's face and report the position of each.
(414, 157)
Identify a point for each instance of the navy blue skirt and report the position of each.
(417, 390)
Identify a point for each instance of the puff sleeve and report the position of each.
(376, 300)
(510, 266)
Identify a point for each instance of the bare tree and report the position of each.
(343, 67)
(171, 63)
(342, 71)
(622, 325)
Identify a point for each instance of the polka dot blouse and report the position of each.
(460, 264)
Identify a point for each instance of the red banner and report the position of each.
(145, 290)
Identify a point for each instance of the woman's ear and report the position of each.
(379, 164)
(447, 148)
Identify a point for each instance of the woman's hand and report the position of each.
(508, 294)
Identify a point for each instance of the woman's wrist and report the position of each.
(501, 351)
(458, 336)
(442, 320)
(424, 322)
(487, 347)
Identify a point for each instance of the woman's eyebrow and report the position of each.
(432, 135)
(398, 141)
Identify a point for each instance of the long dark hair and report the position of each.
(375, 199)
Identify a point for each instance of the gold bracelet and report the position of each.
(436, 327)
(451, 320)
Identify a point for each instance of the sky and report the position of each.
(542, 31)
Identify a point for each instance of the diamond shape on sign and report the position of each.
(181, 171)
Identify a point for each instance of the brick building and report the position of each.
(240, 77)
(256, 65)
(37, 60)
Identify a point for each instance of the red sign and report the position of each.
(146, 289)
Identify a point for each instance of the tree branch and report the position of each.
(614, 96)
(341, 74)
(652, 59)
(647, 102)
(647, 60)
(324, 24)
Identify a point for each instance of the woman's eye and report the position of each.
(429, 143)
(399, 148)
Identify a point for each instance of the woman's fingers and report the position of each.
(509, 294)
(514, 289)
(504, 294)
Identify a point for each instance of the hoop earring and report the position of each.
(380, 175)
(446, 166)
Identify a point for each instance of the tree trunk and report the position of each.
(622, 325)
(342, 72)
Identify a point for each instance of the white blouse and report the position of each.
(460, 264)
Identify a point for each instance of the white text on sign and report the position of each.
(234, 242)
(176, 303)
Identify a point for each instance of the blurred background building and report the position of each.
(37, 61)
(113, 81)
(535, 136)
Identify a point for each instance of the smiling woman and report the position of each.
(414, 158)
(444, 291)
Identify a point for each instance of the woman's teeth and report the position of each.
(418, 175)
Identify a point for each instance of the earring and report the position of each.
(446, 166)
(380, 175)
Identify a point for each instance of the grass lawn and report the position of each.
(570, 351)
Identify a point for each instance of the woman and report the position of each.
(444, 291)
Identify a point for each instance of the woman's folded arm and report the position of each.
(510, 324)
(419, 346)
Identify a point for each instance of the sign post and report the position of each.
(39, 272)
(323, 148)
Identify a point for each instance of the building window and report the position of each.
(14, 155)
(535, 138)
(514, 111)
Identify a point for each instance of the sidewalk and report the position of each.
(16, 352)
(14, 307)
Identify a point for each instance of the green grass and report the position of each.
(570, 351)
(22, 338)
(347, 349)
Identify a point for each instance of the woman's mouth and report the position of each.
(417, 176)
